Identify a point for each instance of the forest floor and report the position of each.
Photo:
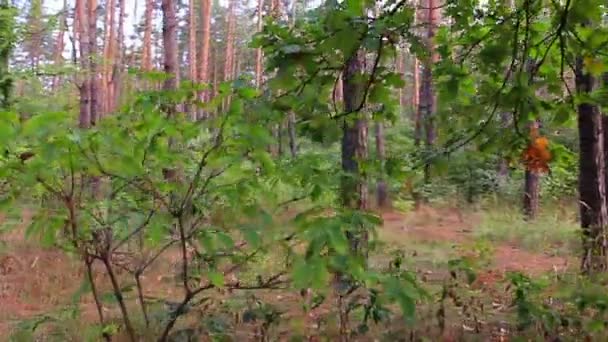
(35, 280)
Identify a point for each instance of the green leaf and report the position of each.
(265, 160)
(394, 80)
(225, 239)
(562, 115)
(216, 278)
(252, 237)
(337, 238)
(355, 7)
(300, 274)
(248, 93)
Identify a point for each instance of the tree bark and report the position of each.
(108, 54)
(170, 46)
(117, 69)
(291, 116)
(531, 185)
(192, 55)
(428, 98)
(94, 82)
(259, 57)
(84, 117)
(34, 33)
(400, 68)
(592, 173)
(146, 60)
(382, 197)
(532, 177)
(205, 48)
(170, 62)
(60, 44)
(229, 52)
(416, 88)
(354, 144)
(416, 104)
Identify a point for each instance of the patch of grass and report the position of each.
(554, 231)
(428, 259)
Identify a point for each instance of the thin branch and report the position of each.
(135, 231)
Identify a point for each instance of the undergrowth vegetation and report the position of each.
(142, 205)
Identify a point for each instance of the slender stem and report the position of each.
(89, 266)
(142, 303)
(184, 250)
(120, 299)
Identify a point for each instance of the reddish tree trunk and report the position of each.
(84, 118)
(192, 58)
(60, 44)
(416, 88)
(93, 62)
(192, 55)
(108, 51)
(229, 54)
(259, 57)
(146, 60)
(170, 44)
(118, 56)
(204, 70)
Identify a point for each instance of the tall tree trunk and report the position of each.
(604, 130)
(117, 69)
(276, 128)
(291, 116)
(428, 99)
(416, 88)
(60, 44)
(6, 82)
(503, 165)
(192, 55)
(382, 197)
(259, 57)
(205, 47)
(93, 61)
(192, 58)
(531, 184)
(416, 104)
(170, 47)
(531, 179)
(216, 71)
(592, 173)
(84, 117)
(275, 9)
(34, 33)
(108, 51)
(400, 68)
(146, 59)
(354, 141)
(229, 53)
